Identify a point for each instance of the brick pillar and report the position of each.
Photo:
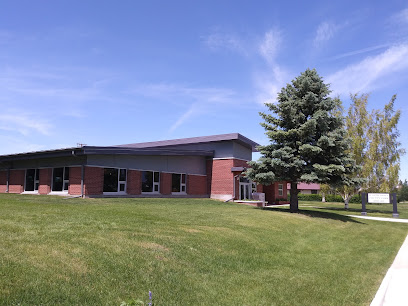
(17, 178)
(93, 181)
(165, 183)
(3, 181)
(134, 182)
(74, 181)
(45, 181)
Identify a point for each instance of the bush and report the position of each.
(355, 199)
(309, 197)
(334, 198)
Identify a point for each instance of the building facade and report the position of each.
(209, 166)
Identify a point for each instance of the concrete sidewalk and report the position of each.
(393, 289)
(380, 219)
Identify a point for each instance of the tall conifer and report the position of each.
(308, 141)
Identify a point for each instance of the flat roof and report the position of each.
(195, 140)
(162, 147)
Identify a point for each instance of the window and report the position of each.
(60, 179)
(280, 190)
(114, 180)
(314, 191)
(150, 181)
(178, 183)
(32, 180)
(254, 187)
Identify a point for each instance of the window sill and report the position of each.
(30, 192)
(153, 192)
(58, 193)
(179, 193)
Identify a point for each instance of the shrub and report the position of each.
(309, 197)
(334, 198)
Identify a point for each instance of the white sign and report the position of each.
(378, 198)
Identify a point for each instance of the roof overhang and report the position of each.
(88, 150)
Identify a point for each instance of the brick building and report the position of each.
(209, 166)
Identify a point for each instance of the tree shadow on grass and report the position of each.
(318, 214)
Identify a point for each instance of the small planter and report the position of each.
(260, 204)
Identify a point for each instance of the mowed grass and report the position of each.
(188, 252)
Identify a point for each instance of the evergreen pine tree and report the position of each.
(308, 141)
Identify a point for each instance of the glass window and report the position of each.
(175, 182)
(110, 180)
(280, 190)
(31, 176)
(150, 181)
(60, 179)
(178, 182)
(114, 180)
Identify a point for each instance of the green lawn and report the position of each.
(189, 252)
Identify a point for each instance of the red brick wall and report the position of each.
(93, 181)
(222, 181)
(285, 190)
(165, 183)
(3, 181)
(272, 191)
(269, 191)
(16, 181)
(74, 180)
(45, 176)
(222, 177)
(134, 182)
(196, 184)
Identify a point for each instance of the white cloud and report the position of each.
(372, 72)
(224, 41)
(360, 51)
(270, 45)
(187, 115)
(269, 82)
(24, 124)
(195, 94)
(401, 17)
(325, 31)
(197, 100)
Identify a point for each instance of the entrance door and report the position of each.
(245, 188)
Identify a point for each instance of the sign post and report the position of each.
(363, 202)
(379, 198)
(395, 213)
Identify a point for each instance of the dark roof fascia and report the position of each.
(42, 154)
(144, 151)
(195, 140)
(88, 150)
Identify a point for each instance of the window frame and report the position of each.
(119, 182)
(280, 190)
(64, 181)
(154, 183)
(36, 181)
(182, 184)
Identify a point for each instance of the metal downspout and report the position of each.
(8, 181)
(82, 180)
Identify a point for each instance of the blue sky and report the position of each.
(114, 72)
